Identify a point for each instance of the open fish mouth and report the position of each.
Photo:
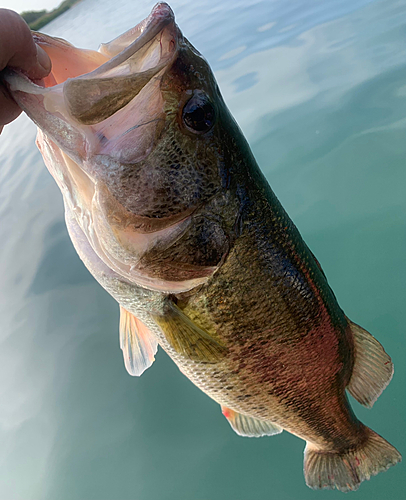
(99, 112)
(88, 87)
(128, 64)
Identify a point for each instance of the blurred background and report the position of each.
(319, 89)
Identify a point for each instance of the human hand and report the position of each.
(18, 50)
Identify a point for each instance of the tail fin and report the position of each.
(346, 471)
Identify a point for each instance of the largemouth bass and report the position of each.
(169, 211)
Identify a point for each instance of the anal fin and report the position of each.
(247, 426)
(137, 342)
(187, 338)
(373, 368)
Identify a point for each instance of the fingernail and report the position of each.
(43, 60)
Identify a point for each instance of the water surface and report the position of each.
(319, 89)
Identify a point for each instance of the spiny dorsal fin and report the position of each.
(187, 338)
(247, 426)
(138, 343)
(373, 368)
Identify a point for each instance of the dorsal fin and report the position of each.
(138, 343)
(247, 426)
(373, 368)
(187, 338)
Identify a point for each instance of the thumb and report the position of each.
(18, 49)
(42, 65)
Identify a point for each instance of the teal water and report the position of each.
(319, 88)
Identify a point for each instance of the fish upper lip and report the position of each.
(162, 10)
(160, 16)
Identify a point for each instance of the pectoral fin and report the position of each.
(187, 338)
(138, 343)
(247, 426)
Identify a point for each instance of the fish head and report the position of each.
(132, 135)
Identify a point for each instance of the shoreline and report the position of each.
(36, 19)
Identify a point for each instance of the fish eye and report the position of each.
(198, 114)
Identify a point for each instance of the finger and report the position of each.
(8, 108)
(18, 49)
